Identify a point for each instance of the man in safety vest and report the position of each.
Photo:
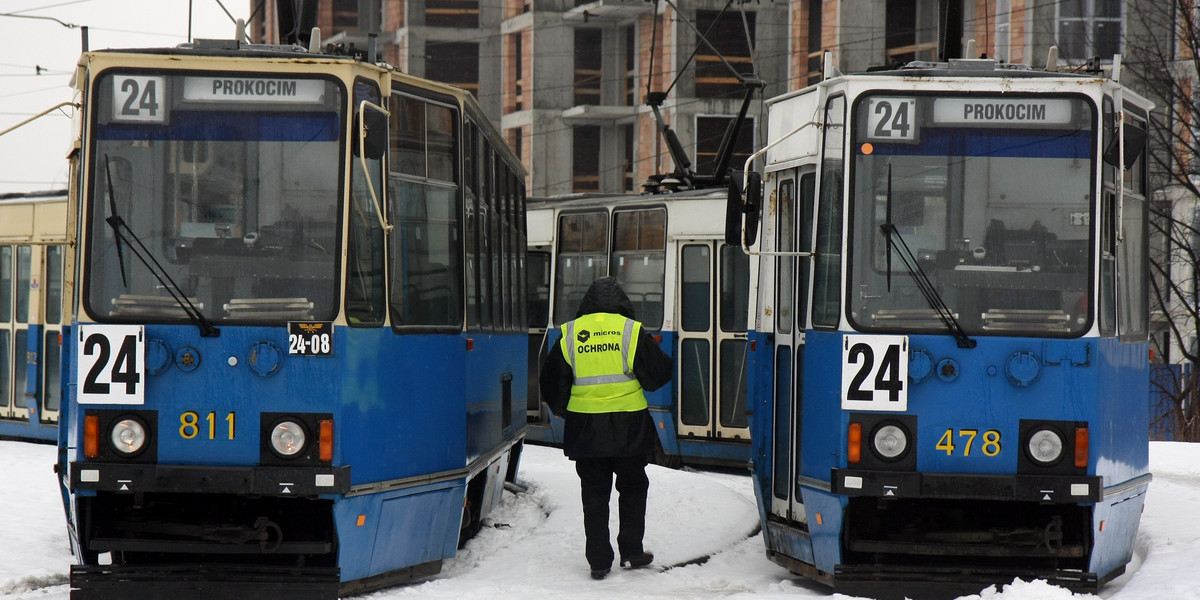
(593, 378)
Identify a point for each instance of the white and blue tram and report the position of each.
(687, 286)
(33, 234)
(294, 365)
(949, 354)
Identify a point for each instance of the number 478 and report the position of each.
(990, 445)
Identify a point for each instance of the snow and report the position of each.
(702, 527)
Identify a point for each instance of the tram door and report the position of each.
(793, 232)
(16, 271)
(713, 300)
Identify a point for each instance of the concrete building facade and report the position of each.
(567, 80)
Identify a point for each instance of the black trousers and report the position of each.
(596, 483)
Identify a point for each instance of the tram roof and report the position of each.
(971, 67)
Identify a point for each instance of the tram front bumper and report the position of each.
(949, 486)
(207, 479)
(203, 582)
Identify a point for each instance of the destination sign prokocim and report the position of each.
(1009, 111)
(253, 89)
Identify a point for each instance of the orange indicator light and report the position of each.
(325, 439)
(854, 443)
(91, 436)
(361, 519)
(1081, 448)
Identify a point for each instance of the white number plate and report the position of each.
(892, 119)
(112, 364)
(139, 99)
(875, 372)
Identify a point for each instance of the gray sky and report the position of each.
(33, 158)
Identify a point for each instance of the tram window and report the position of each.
(783, 422)
(471, 231)
(582, 259)
(696, 288)
(408, 136)
(24, 277)
(733, 383)
(426, 255)
(639, 260)
(442, 136)
(808, 186)
(506, 274)
(232, 197)
(497, 244)
(735, 289)
(365, 296)
(537, 273)
(694, 382)
(6, 284)
(1132, 268)
(827, 290)
(54, 285)
(785, 286)
(20, 353)
(6, 366)
(52, 361)
(486, 283)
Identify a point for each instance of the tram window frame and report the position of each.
(591, 238)
(827, 268)
(434, 219)
(366, 244)
(1133, 249)
(53, 299)
(1106, 308)
(649, 241)
(470, 146)
(785, 233)
(23, 307)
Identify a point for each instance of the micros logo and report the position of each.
(583, 336)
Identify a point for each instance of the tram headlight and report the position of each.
(128, 436)
(288, 438)
(889, 441)
(1045, 447)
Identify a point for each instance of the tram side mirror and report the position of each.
(753, 206)
(736, 207)
(733, 210)
(1135, 143)
(374, 142)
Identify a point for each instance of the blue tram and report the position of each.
(949, 360)
(687, 286)
(33, 234)
(294, 363)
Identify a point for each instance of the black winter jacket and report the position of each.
(613, 434)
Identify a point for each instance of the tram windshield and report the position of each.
(230, 181)
(992, 195)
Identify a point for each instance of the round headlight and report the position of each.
(1045, 447)
(128, 436)
(287, 438)
(890, 442)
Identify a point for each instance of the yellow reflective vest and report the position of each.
(600, 348)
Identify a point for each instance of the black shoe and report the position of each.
(637, 560)
(599, 573)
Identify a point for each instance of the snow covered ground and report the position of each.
(533, 548)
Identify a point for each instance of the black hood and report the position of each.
(605, 296)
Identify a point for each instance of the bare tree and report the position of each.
(1162, 58)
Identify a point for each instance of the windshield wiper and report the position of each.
(896, 242)
(123, 233)
(112, 207)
